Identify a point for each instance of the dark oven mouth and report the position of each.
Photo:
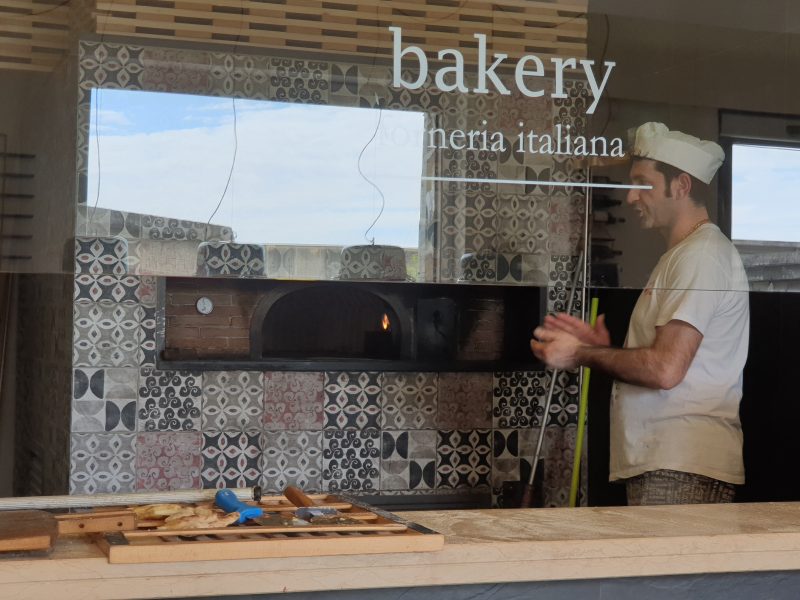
(330, 321)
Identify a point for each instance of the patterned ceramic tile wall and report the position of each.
(351, 431)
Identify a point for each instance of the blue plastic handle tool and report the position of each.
(228, 502)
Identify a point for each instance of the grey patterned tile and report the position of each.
(408, 460)
(465, 401)
(352, 400)
(464, 458)
(231, 459)
(176, 70)
(522, 224)
(292, 458)
(106, 334)
(470, 220)
(281, 262)
(558, 451)
(232, 401)
(92, 221)
(410, 400)
(146, 354)
(536, 268)
(104, 400)
(518, 399)
(293, 401)
(169, 400)
(566, 224)
(110, 65)
(168, 461)
(509, 269)
(239, 75)
(351, 460)
(126, 225)
(102, 463)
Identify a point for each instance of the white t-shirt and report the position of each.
(695, 426)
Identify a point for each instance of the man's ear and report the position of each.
(682, 186)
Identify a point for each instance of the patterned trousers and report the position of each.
(676, 487)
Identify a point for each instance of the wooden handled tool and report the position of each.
(297, 496)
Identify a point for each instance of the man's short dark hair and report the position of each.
(701, 192)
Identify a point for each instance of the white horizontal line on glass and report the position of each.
(613, 186)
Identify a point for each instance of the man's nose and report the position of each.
(633, 196)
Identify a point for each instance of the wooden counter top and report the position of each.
(484, 546)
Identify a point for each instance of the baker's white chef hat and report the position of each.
(697, 157)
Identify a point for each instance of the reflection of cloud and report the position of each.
(111, 121)
(766, 202)
(295, 179)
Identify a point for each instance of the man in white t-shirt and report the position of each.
(676, 436)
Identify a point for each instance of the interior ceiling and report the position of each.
(35, 34)
(772, 16)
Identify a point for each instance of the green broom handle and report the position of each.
(576, 463)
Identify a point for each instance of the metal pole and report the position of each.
(93, 500)
(527, 496)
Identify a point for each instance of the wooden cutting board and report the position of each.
(27, 530)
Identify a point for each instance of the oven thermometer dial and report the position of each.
(204, 305)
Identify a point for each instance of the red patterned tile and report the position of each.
(168, 461)
(293, 401)
(465, 401)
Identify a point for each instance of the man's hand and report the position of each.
(592, 336)
(558, 349)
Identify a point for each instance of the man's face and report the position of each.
(654, 206)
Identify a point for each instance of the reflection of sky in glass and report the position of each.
(766, 193)
(296, 178)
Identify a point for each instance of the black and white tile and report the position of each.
(231, 459)
(164, 228)
(169, 400)
(351, 460)
(566, 398)
(410, 400)
(408, 460)
(562, 275)
(113, 288)
(228, 258)
(304, 81)
(101, 256)
(352, 400)
(464, 458)
(292, 458)
(232, 401)
(518, 399)
(102, 463)
(513, 451)
(104, 400)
